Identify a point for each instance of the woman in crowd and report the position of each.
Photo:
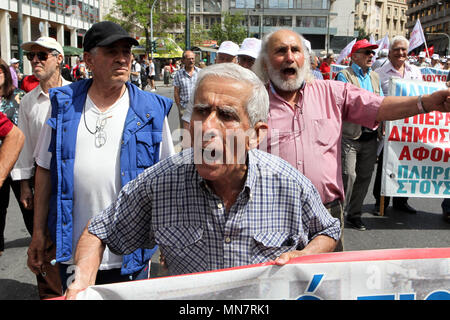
(9, 105)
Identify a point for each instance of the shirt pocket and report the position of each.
(183, 248)
(147, 143)
(270, 245)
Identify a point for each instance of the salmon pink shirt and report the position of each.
(309, 135)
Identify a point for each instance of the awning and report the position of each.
(72, 51)
(165, 48)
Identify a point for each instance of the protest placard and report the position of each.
(434, 75)
(393, 274)
(416, 160)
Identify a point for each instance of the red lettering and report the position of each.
(405, 153)
(394, 136)
(420, 136)
(433, 135)
(421, 153)
(436, 154)
(446, 154)
(407, 134)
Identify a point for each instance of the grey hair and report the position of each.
(398, 39)
(259, 67)
(258, 103)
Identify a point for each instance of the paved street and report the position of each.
(394, 230)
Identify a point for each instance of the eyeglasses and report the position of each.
(367, 52)
(41, 55)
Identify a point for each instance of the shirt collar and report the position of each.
(359, 71)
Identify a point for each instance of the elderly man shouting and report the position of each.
(306, 115)
(211, 207)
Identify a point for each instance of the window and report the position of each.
(214, 5)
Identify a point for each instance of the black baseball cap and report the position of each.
(104, 33)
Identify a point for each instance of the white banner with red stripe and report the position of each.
(394, 274)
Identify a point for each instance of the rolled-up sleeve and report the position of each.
(126, 224)
(361, 106)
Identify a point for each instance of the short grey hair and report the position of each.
(258, 103)
(398, 39)
(263, 58)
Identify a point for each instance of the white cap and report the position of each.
(13, 60)
(228, 47)
(46, 42)
(250, 47)
(435, 56)
(422, 54)
(427, 60)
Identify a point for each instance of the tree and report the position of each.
(362, 34)
(134, 16)
(231, 29)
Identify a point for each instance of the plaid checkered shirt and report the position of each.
(278, 210)
(186, 84)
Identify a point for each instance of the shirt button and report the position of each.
(219, 206)
(299, 163)
(227, 240)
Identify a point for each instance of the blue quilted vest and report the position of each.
(141, 139)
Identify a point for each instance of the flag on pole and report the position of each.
(346, 51)
(372, 39)
(417, 36)
(382, 44)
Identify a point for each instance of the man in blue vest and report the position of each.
(101, 134)
(359, 144)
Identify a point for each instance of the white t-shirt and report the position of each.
(136, 67)
(151, 69)
(97, 166)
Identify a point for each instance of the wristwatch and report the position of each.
(420, 105)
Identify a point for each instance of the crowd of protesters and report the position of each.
(96, 171)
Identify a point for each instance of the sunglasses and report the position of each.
(367, 52)
(41, 55)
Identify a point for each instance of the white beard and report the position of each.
(287, 85)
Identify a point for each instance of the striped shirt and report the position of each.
(278, 210)
(186, 84)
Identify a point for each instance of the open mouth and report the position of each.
(289, 71)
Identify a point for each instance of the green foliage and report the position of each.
(134, 16)
(231, 29)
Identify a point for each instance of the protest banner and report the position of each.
(335, 69)
(434, 75)
(392, 274)
(417, 149)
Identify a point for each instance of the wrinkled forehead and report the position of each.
(285, 38)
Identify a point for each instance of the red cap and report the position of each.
(362, 44)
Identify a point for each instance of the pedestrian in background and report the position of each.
(10, 98)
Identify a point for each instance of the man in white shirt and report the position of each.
(397, 67)
(135, 75)
(102, 133)
(151, 73)
(46, 56)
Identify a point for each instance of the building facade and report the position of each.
(381, 17)
(434, 17)
(64, 20)
(322, 22)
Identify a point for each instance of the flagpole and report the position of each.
(424, 40)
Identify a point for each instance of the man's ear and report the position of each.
(259, 133)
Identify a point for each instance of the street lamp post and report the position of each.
(188, 24)
(151, 27)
